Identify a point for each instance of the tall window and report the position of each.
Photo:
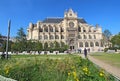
(51, 37)
(41, 30)
(80, 44)
(45, 37)
(62, 37)
(61, 29)
(46, 29)
(79, 29)
(79, 37)
(56, 29)
(86, 44)
(84, 30)
(94, 37)
(40, 37)
(96, 44)
(91, 44)
(51, 29)
(56, 37)
(90, 37)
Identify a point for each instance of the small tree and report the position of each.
(106, 37)
(45, 46)
(116, 40)
(21, 40)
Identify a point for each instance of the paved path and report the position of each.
(111, 69)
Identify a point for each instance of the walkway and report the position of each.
(111, 69)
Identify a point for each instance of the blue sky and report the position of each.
(106, 13)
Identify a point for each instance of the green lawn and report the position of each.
(112, 59)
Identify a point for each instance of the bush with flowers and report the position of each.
(52, 68)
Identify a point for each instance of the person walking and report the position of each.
(85, 52)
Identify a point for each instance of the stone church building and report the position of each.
(72, 30)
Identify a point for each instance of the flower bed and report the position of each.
(64, 68)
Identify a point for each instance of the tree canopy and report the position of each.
(21, 36)
(116, 40)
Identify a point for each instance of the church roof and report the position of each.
(58, 20)
(52, 20)
(81, 21)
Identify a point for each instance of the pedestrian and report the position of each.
(85, 52)
(80, 50)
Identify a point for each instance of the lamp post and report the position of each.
(9, 23)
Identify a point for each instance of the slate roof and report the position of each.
(81, 21)
(52, 20)
(58, 20)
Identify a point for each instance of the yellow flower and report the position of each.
(7, 71)
(101, 74)
(85, 69)
(69, 74)
(77, 79)
(74, 74)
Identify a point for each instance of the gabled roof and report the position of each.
(81, 21)
(58, 20)
(52, 20)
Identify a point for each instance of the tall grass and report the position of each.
(52, 68)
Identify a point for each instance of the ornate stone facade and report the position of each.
(71, 30)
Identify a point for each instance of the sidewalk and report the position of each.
(110, 69)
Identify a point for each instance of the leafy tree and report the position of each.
(21, 36)
(21, 40)
(106, 37)
(45, 46)
(107, 34)
(38, 46)
(116, 40)
(56, 46)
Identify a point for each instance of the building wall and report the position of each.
(70, 31)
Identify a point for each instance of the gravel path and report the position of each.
(111, 69)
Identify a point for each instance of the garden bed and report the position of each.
(52, 68)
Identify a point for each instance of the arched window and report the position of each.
(94, 37)
(85, 37)
(91, 44)
(56, 37)
(79, 29)
(41, 30)
(101, 44)
(89, 29)
(51, 37)
(96, 44)
(62, 37)
(40, 37)
(46, 29)
(80, 44)
(84, 30)
(61, 29)
(51, 28)
(56, 29)
(79, 37)
(90, 37)
(86, 44)
(45, 37)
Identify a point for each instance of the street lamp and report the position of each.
(9, 23)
